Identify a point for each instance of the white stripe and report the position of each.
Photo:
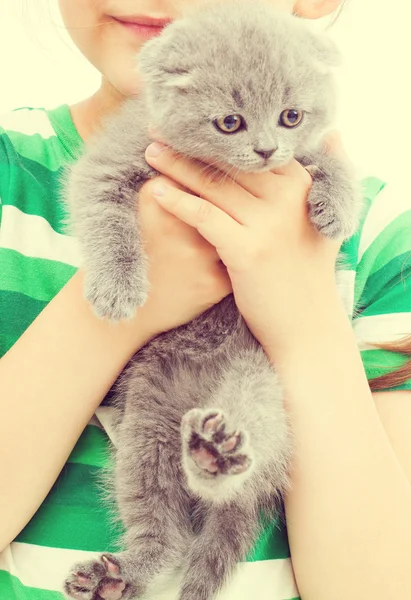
(28, 122)
(381, 328)
(268, 580)
(46, 568)
(387, 206)
(39, 566)
(263, 580)
(94, 421)
(345, 284)
(33, 236)
(104, 415)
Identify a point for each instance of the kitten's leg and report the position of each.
(154, 507)
(334, 199)
(244, 428)
(154, 543)
(101, 192)
(105, 222)
(229, 532)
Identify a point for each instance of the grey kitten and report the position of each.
(203, 440)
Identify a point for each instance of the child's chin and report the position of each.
(127, 83)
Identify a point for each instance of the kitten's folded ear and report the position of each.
(322, 50)
(150, 58)
(162, 61)
(327, 51)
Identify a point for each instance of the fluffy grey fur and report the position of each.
(204, 442)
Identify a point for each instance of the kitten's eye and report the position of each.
(229, 124)
(291, 117)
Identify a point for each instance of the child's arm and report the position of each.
(51, 382)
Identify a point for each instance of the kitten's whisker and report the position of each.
(235, 169)
(214, 172)
(238, 171)
(224, 174)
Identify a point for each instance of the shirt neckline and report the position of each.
(62, 123)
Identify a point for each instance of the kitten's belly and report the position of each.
(186, 363)
(214, 331)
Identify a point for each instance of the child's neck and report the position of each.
(88, 114)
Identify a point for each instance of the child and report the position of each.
(350, 502)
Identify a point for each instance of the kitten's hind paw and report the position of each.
(214, 449)
(98, 580)
(115, 295)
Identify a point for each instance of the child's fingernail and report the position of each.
(155, 149)
(159, 189)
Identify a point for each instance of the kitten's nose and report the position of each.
(265, 153)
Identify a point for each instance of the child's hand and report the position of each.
(281, 268)
(185, 272)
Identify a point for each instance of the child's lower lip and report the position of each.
(144, 31)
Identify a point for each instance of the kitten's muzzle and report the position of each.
(266, 154)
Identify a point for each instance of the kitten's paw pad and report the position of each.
(115, 297)
(97, 580)
(212, 446)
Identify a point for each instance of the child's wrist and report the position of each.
(303, 326)
(124, 337)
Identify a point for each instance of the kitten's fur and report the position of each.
(203, 439)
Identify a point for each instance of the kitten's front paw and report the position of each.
(98, 580)
(334, 203)
(115, 294)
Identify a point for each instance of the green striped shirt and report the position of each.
(37, 258)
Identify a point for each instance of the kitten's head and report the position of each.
(241, 84)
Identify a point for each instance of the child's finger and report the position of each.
(211, 222)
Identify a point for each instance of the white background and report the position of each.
(39, 67)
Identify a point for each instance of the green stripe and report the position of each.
(33, 189)
(398, 388)
(380, 362)
(272, 543)
(6, 342)
(348, 257)
(12, 589)
(91, 449)
(6, 151)
(65, 145)
(38, 278)
(62, 123)
(394, 241)
(74, 516)
(372, 186)
(46, 152)
(388, 291)
(18, 314)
